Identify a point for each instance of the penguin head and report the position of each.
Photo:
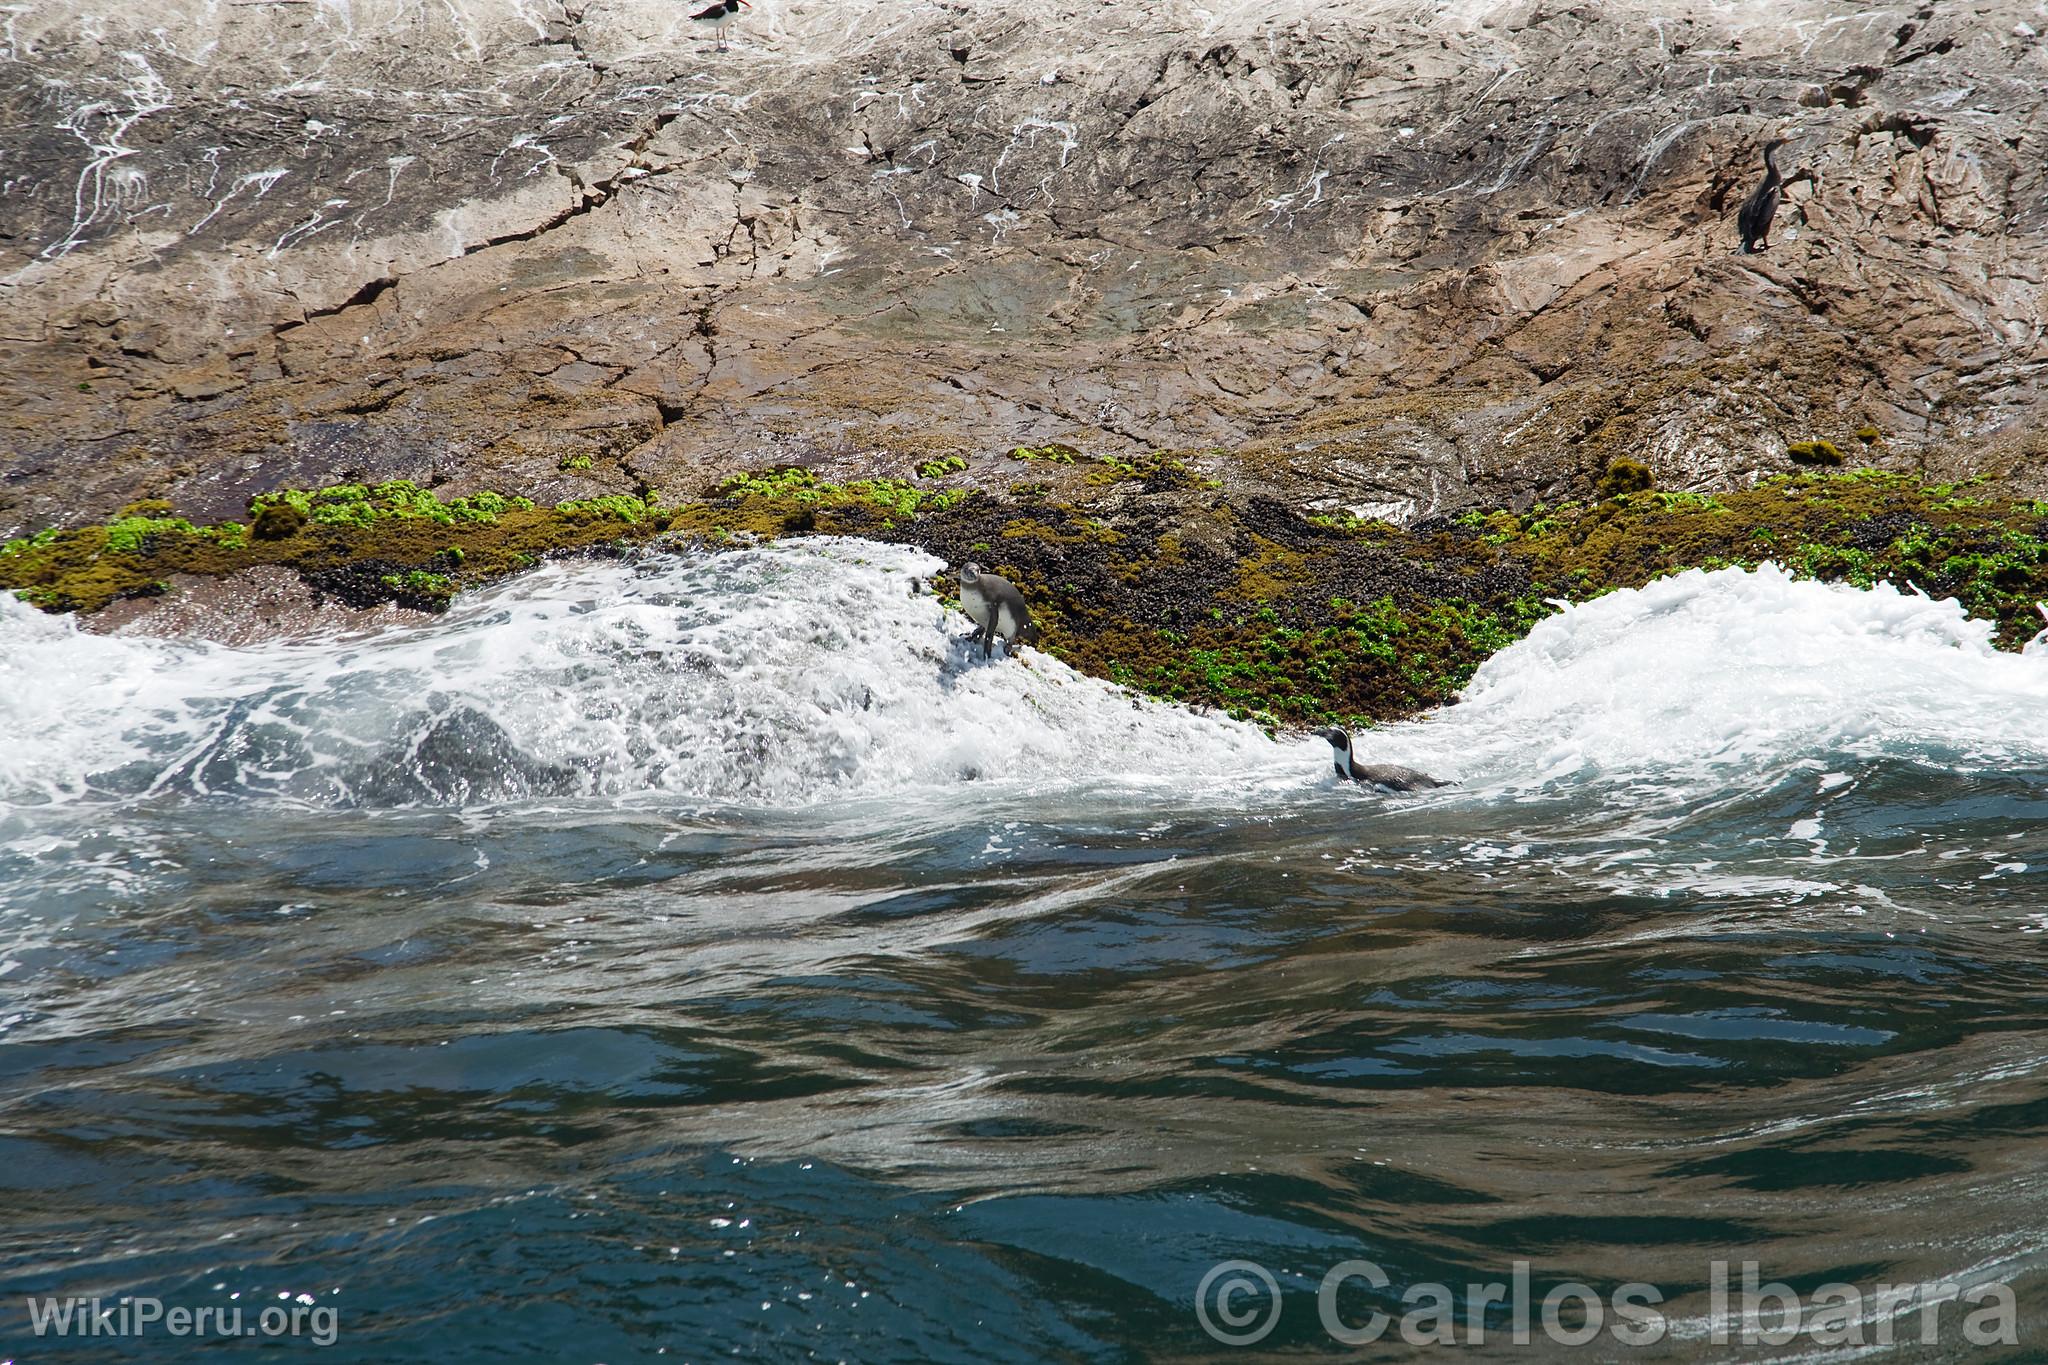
(969, 572)
(1339, 739)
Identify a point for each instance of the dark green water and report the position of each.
(993, 1067)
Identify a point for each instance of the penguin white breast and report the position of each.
(975, 603)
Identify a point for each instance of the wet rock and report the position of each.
(255, 604)
(1393, 256)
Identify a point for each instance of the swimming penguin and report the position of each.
(1757, 211)
(994, 604)
(1392, 776)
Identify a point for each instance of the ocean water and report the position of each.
(694, 957)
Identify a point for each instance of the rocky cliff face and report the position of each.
(1398, 257)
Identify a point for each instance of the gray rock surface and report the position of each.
(1394, 256)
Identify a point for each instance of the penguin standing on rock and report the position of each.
(994, 604)
(1392, 776)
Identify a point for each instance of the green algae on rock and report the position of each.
(1862, 527)
(324, 534)
(1160, 583)
(891, 497)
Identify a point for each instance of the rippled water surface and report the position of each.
(697, 957)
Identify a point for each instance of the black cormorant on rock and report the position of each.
(1392, 776)
(1761, 207)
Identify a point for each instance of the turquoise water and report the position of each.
(695, 958)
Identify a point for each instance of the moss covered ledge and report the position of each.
(1150, 577)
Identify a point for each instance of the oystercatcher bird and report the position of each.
(719, 18)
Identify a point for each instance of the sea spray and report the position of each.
(783, 675)
(813, 670)
(1705, 672)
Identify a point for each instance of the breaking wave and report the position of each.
(821, 669)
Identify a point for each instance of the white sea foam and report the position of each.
(782, 675)
(1731, 673)
(812, 671)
